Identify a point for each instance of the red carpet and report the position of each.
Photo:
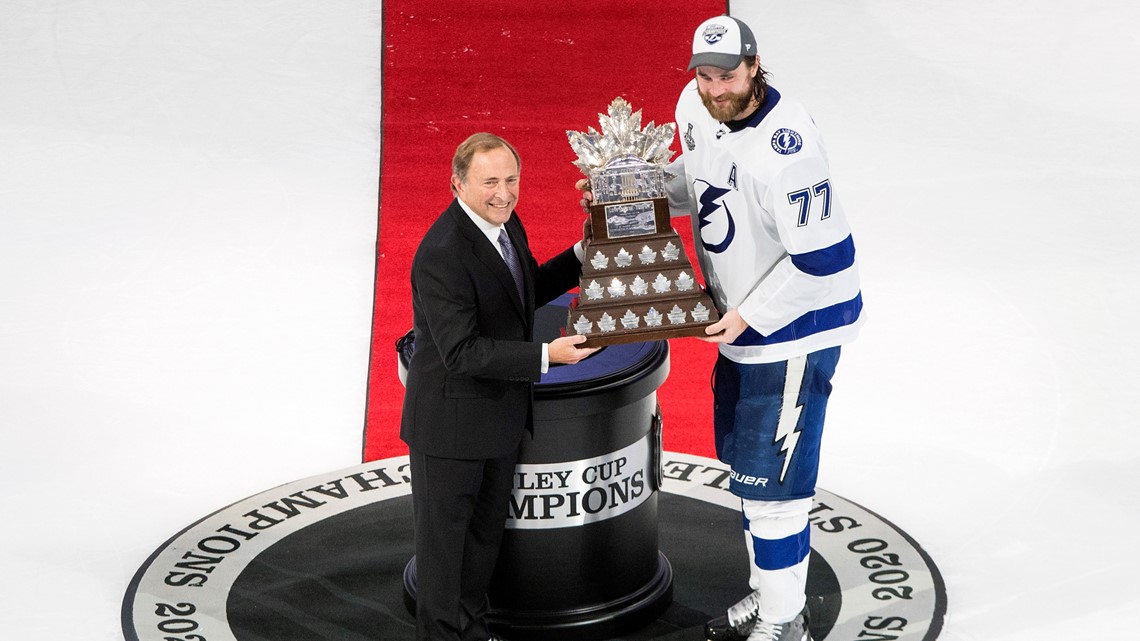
(527, 71)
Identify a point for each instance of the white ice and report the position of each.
(187, 228)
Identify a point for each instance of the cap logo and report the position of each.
(713, 33)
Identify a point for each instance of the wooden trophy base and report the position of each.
(663, 333)
(637, 286)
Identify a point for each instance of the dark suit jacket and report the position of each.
(470, 382)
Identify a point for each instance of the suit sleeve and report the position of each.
(556, 276)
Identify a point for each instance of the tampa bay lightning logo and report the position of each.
(710, 205)
(787, 142)
(713, 33)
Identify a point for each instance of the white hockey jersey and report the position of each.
(771, 236)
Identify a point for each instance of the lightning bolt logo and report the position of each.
(708, 205)
(786, 434)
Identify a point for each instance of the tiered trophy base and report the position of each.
(638, 288)
(619, 336)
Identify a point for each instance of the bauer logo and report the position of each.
(337, 543)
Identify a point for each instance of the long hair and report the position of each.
(760, 80)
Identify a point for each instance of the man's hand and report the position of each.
(564, 349)
(587, 196)
(727, 329)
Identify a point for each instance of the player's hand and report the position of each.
(583, 186)
(727, 329)
(564, 349)
(587, 233)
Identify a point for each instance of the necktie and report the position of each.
(512, 260)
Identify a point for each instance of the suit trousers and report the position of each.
(460, 509)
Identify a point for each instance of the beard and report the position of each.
(735, 104)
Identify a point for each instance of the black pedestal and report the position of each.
(580, 555)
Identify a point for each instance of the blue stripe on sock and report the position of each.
(777, 554)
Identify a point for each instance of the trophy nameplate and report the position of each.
(637, 283)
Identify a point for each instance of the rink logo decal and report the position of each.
(787, 142)
(180, 593)
(889, 587)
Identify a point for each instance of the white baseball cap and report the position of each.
(721, 42)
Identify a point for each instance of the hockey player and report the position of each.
(777, 255)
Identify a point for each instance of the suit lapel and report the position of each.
(482, 250)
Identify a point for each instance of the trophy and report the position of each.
(637, 284)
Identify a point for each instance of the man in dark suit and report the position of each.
(470, 382)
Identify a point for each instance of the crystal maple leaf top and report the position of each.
(621, 138)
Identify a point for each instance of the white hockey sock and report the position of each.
(778, 534)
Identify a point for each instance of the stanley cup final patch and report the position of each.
(713, 33)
